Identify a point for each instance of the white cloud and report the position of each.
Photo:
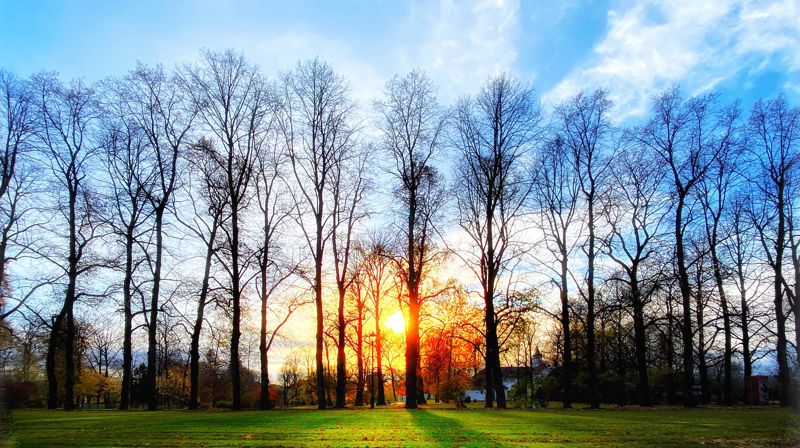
(697, 43)
(464, 45)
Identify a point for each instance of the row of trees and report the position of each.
(177, 198)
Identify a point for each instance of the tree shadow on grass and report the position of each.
(449, 432)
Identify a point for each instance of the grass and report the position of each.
(433, 426)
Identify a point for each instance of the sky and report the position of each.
(741, 48)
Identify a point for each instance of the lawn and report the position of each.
(430, 427)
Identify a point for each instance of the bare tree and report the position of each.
(348, 188)
(412, 126)
(555, 200)
(208, 198)
(713, 191)
(131, 175)
(156, 104)
(495, 131)
(587, 131)
(233, 101)
(275, 270)
(635, 216)
(774, 130)
(678, 134)
(67, 116)
(376, 260)
(314, 119)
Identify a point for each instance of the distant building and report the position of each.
(511, 377)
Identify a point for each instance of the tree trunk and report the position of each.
(194, 352)
(640, 342)
(686, 294)
(727, 386)
(150, 382)
(127, 344)
(412, 351)
(780, 320)
(321, 404)
(341, 374)
(264, 401)
(379, 355)
(591, 358)
(360, 383)
(69, 305)
(236, 333)
(50, 363)
(702, 366)
(566, 368)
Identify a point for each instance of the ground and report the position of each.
(433, 426)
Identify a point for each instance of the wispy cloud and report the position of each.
(697, 43)
(464, 44)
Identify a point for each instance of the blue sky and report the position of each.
(746, 49)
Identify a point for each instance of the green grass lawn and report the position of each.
(433, 426)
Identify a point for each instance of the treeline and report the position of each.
(159, 226)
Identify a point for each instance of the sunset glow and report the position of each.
(396, 322)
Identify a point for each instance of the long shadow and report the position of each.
(449, 432)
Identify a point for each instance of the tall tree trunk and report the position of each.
(69, 305)
(412, 333)
(702, 366)
(591, 358)
(412, 351)
(237, 311)
(379, 356)
(671, 389)
(640, 341)
(264, 401)
(321, 404)
(150, 382)
(686, 294)
(566, 368)
(194, 352)
(780, 320)
(53, 344)
(341, 374)
(127, 343)
(727, 386)
(360, 382)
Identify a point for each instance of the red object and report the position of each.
(756, 390)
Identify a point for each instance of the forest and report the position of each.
(213, 236)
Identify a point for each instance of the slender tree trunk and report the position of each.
(237, 311)
(640, 341)
(686, 294)
(264, 401)
(702, 366)
(671, 389)
(360, 383)
(780, 320)
(150, 382)
(591, 358)
(341, 374)
(69, 304)
(379, 355)
(194, 352)
(321, 404)
(566, 368)
(727, 386)
(127, 343)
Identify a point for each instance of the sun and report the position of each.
(396, 322)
